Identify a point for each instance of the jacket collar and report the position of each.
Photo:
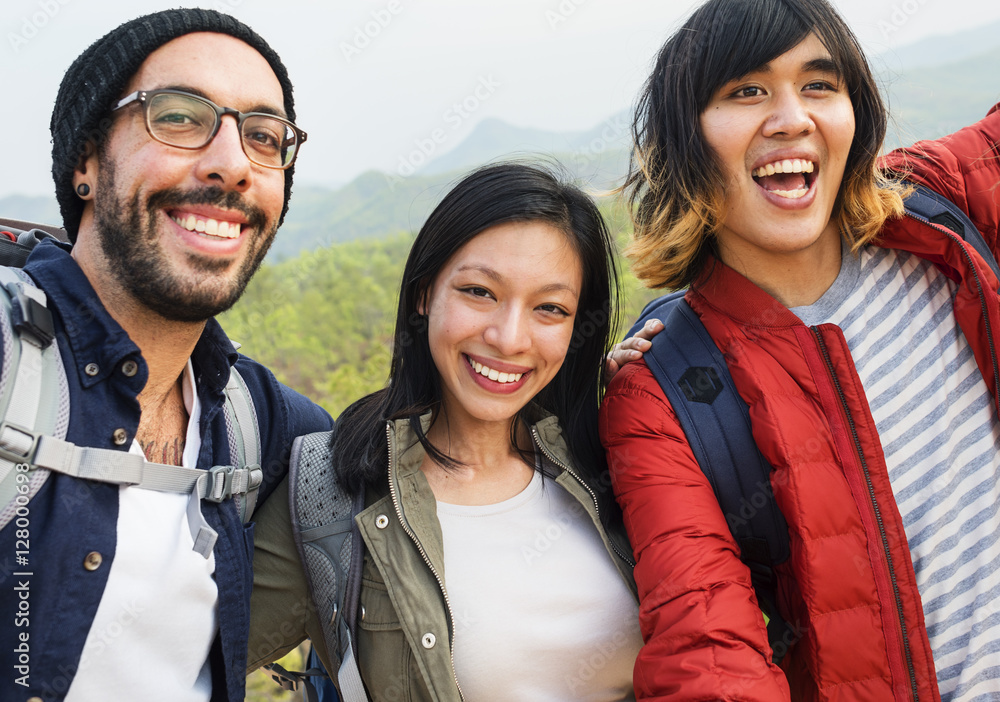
(732, 294)
(409, 453)
(94, 336)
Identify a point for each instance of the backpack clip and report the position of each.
(17, 444)
(226, 481)
(30, 317)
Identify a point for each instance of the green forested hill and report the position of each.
(323, 321)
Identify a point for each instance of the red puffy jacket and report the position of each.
(848, 590)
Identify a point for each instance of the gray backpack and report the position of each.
(34, 417)
(330, 549)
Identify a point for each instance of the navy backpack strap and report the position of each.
(937, 209)
(694, 376)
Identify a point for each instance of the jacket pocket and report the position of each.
(384, 657)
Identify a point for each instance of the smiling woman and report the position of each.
(490, 538)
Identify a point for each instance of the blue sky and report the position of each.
(375, 77)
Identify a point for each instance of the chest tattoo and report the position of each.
(168, 451)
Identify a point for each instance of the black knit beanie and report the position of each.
(99, 75)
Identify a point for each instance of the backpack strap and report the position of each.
(30, 368)
(930, 206)
(21, 384)
(244, 437)
(330, 547)
(694, 376)
(16, 242)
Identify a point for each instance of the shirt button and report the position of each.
(92, 369)
(130, 368)
(119, 437)
(381, 521)
(92, 561)
(34, 699)
(428, 640)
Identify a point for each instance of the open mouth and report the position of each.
(788, 178)
(492, 373)
(218, 228)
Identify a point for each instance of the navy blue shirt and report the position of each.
(72, 519)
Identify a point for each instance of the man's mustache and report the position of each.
(213, 195)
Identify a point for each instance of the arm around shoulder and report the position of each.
(704, 635)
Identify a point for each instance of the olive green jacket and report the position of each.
(405, 630)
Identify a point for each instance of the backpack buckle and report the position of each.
(226, 481)
(30, 317)
(17, 444)
(220, 483)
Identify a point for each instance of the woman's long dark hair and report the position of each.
(505, 192)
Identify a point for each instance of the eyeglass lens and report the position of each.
(187, 122)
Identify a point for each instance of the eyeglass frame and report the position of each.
(143, 96)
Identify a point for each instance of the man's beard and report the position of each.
(129, 238)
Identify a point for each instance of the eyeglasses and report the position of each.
(187, 121)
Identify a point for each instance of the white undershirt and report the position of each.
(157, 618)
(541, 610)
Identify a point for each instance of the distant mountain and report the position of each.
(940, 50)
(376, 204)
(586, 154)
(373, 204)
(930, 101)
(492, 138)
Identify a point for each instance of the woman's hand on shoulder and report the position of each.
(632, 348)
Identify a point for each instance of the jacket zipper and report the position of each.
(875, 506)
(597, 509)
(423, 554)
(982, 299)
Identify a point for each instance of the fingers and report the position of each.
(632, 348)
(651, 328)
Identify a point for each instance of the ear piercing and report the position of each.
(83, 190)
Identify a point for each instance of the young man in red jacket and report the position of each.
(863, 341)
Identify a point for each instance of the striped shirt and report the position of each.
(940, 436)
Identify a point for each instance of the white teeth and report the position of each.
(493, 374)
(213, 227)
(790, 194)
(792, 165)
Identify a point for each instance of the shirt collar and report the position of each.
(93, 335)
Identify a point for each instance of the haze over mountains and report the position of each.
(933, 88)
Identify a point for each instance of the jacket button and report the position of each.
(381, 521)
(119, 437)
(92, 369)
(362, 612)
(92, 561)
(130, 368)
(428, 640)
